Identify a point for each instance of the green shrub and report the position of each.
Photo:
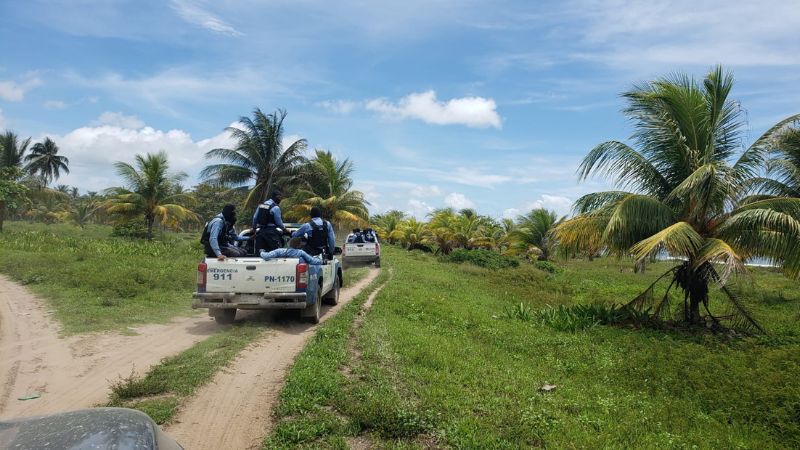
(548, 267)
(520, 311)
(483, 258)
(581, 317)
(130, 229)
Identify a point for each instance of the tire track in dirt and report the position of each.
(74, 372)
(234, 410)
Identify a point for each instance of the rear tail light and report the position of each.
(201, 277)
(301, 278)
(377, 249)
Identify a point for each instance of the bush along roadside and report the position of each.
(310, 412)
(165, 386)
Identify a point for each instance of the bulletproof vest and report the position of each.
(222, 237)
(318, 241)
(265, 215)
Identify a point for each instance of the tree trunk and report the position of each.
(2, 215)
(149, 220)
(639, 266)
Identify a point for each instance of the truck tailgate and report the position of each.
(359, 249)
(251, 275)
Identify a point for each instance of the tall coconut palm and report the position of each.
(12, 150)
(679, 191)
(328, 185)
(150, 192)
(259, 162)
(783, 168)
(532, 235)
(45, 162)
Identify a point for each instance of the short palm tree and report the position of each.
(259, 162)
(149, 192)
(783, 168)
(328, 184)
(386, 223)
(45, 162)
(532, 235)
(679, 193)
(413, 234)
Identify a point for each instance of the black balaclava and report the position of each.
(229, 213)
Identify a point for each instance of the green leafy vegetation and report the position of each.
(482, 258)
(159, 392)
(95, 282)
(457, 355)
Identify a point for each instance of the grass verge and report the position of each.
(95, 282)
(440, 364)
(315, 383)
(159, 392)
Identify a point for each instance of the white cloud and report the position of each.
(118, 119)
(192, 13)
(339, 106)
(55, 104)
(2, 120)
(425, 191)
(184, 84)
(477, 112)
(510, 213)
(458, 201)
(463, 175)
(92, 150)
(675, 32)
(418, 208)
(560, 204)
(14, 92)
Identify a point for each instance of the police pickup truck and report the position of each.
(251, 283)
(362, 247)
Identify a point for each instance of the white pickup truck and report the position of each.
(252, 283)
(362, 247)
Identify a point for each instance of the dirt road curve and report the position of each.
(74, 372)
(233, 411)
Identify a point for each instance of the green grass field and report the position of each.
(95, 282)
(440, 363)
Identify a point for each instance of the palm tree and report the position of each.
(12, 150)
(82, 213)
(783, 168)
(259, 157)
(532, 235)
(413, 234)
(150, 191)
(45, 161)
(386, 223)
(679, 191)
(328, 185)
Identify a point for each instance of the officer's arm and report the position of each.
(331, 238)
(216, 225)
(302, 230)
(276, 214)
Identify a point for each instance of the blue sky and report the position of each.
(439, 103)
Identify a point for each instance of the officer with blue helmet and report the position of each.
(320, 239)
(268, 222)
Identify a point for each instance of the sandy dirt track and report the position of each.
(234, 410)
(74, 372)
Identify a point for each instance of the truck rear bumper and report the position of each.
(360, 259)
(230, 300)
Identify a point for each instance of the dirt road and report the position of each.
(233, 411)
(74, 372)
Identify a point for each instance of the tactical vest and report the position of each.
(222, 237)
(317, 243)
(265, 217)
